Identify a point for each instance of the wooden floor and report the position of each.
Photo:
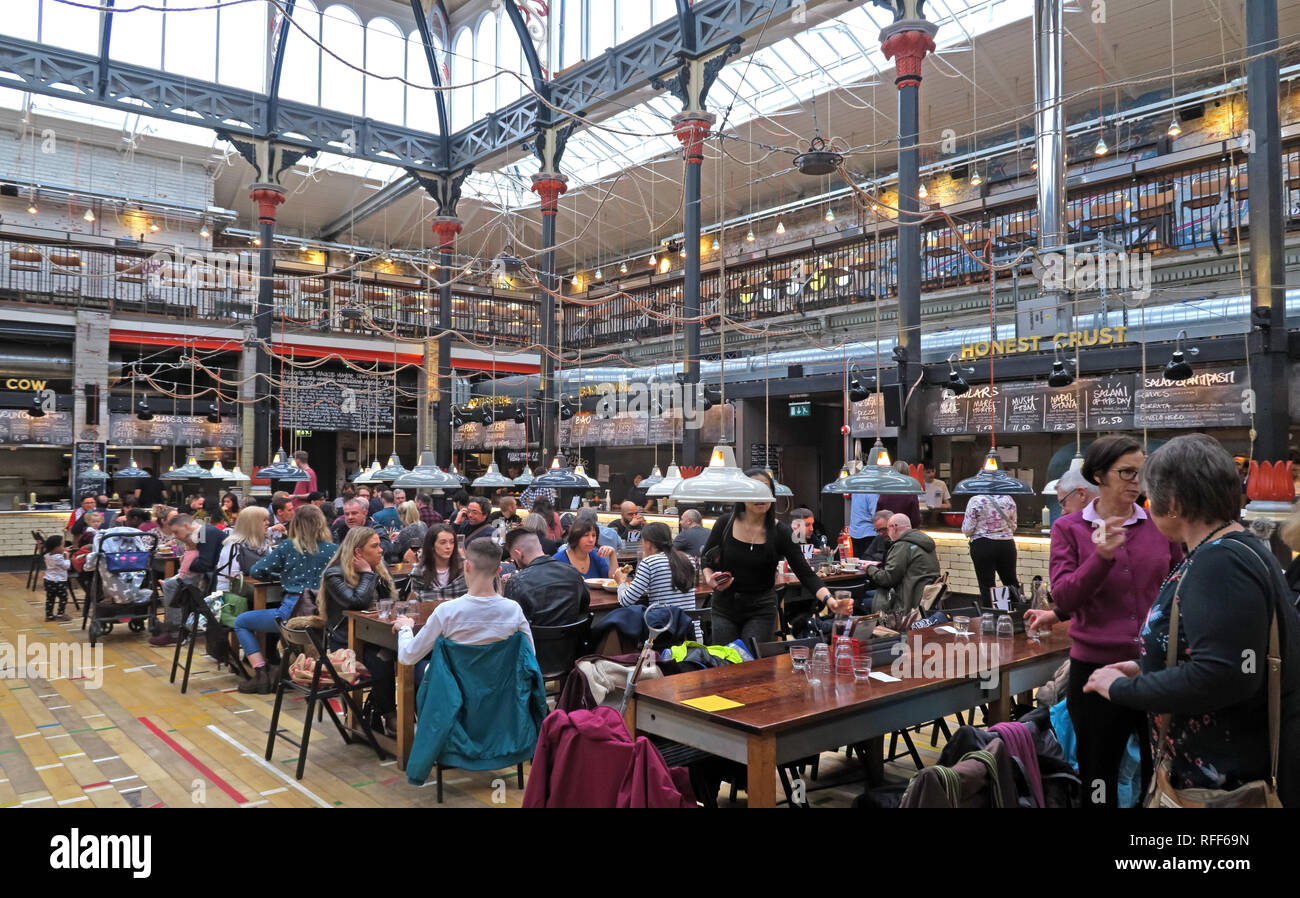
(135, 741)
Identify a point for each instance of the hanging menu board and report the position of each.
(469, 436)
(335, 400)
(986, 408)
(663, 429)
(17, 428)
(867, 418)
(1022, 407)
(769, 456)
(1063, 407)
(174, 430)
(630, 429)
(504, 434)
(1213, 398)
(945, 413)
(84, 455)
(1110, 403)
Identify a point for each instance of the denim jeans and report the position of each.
(262, 621)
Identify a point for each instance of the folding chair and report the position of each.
(194, 608)
(318, 695)
(36, 573)
(559, 647)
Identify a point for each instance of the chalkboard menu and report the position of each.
(630, 429)
(83, 456)
(867, 418)
(1022, 407)
(768, 456)
(665, 429)
(986, 408)
(469, 436)
(332, 400)
(1110, 403)
(1213, 398)
(945, 413)
(17, 428)
(174, 430)
(1063, 407)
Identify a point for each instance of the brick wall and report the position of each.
(954, 557)
(16, 530)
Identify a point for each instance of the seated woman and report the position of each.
(1209, 713)
(299, 561)
(664, 574)
(441, 571)
(581, 553)
(354, 580)
(226, 515)
(411, 536)
(244, 546)
(537, 524)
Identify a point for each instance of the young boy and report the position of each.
(57, 566)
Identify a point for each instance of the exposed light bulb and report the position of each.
(89, 216)
(664, 264)
(153, 226)
(653, 260)
(683, 252)
(622, 268)
(780, 226)
(1174, 128)
(204, 232)
(716, 244)
(257, 241)
(599, 274)
(32, 210)
(1100, 149)
(577, 281)
(923, 193)
(749, 236)
(830, 215)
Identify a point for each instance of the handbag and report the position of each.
(934, 592)
(1254, 794)
(233, 604)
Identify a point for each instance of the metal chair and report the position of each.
(36, 573)
(559, 647)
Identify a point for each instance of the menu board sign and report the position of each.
(630, 429)
(84, 455)
(1023, 406)
(1062, 408)
(335, 400)
(175, 430)
(663, 429)
(1110, 403)
(867, 418)
(1213, 398)
(986, 407)
(52, 429)
(768, 456)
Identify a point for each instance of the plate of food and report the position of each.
(602, 583)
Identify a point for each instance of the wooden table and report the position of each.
(365, 628)
(782, 719)
(164, 565)
(265, 592)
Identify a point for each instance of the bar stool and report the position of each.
(36, 573)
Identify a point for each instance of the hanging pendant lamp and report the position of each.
(580, 471)
(218, 470)
(278, 469)
(1076, 464)
(427, 475)
(666, 486)
(525, 479)
(993, 481)
(389, 472)
(493, 479)
(877, 476)
(558, 476)
(721, 481)
(94, 472)
(656, 476)
(191, 471)
(780, 490)
(131, 471)
(234, 475)
(454, 472)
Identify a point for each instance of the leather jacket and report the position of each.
(340, 597)
(552, 594)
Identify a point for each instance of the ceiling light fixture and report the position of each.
(1178, 368)
(780, 225)
(89, 216)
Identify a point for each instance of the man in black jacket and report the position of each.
(472, 520)
(355, 512)
(190, 534)
(551, 593)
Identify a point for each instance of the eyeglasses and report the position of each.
(1127, 474)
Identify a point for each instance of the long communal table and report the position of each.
(781, 718)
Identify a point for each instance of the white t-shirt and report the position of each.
(469, 620)
(936, 493)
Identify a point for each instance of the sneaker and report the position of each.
(61, 617)
(163, 639)
(50, 618)
(390, 724)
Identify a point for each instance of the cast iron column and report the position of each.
(445, 228)
(1268, 362)
(691, 129)
(549, 187)
(267, 197)
(907, 42)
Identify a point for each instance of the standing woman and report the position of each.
(1108, 561)
(441, 570)
(990, 524)
(740, 561)
(1229, 591)
(299, 562)
(544, 507)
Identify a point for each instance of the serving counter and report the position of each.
(953, 549)
(16, 529)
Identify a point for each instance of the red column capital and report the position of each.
(907, 49)
(549, 188)
(446, 228)
(267, 197)
(691, 128)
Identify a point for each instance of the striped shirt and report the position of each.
(653, 582)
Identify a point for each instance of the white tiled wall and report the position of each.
(954, 557)
(16, 529)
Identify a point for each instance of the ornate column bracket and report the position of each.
(548, 188)
(445, 189)
(268, 158)
(691, 83)
(548, 147)
(907, 42)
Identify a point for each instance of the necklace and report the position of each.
(1211, 535)
(1187, 560)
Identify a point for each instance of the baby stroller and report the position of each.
(123, 586)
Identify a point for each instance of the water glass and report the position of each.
(385, 609)
(989, 623)
(798, 657)
(862, 667)
(1006, 629)
(841, 625)
(961, 624)
(816, 671)
(822, 653)
(844, 659)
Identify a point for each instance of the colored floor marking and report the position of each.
(389, 782)
(44, 725)
(48, 766)
(42, 798)
(109, 758)
(275, 791)
(132, 789)
(193, 761)
(363, 783)
(258, 759)
(58, 707)
(74, 800)
(96, 788)
(121, 779)
(96, 785)
(253, 804)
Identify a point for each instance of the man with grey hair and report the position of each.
(691, 533)
(1074, 492)
(605, 536)
(910, 566)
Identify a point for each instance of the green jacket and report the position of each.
(910, 566)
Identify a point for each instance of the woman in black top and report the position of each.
(740, 561)
(1229, 590)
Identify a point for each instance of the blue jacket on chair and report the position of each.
(480, 707)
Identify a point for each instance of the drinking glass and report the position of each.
(821, 652)
(798, 657)
(862, 667)
(989, 623)
(1006, 629)
(844, 659)
(385, 609)
(816, 670)
(961, 624)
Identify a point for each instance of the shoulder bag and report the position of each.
(1255, 794)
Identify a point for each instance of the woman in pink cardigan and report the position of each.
(1108, 562)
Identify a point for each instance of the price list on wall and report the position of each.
(1213, 398)
(1110, 403)
(17, 428)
